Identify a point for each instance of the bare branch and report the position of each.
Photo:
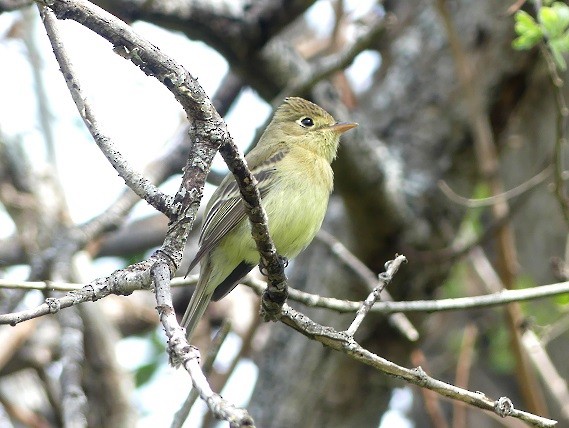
(342, 342)
(530, 184)
(431, 399)
(74, 400)
(462, 372)
(121, 282)
(181, 353)
(488, 165)
(345, 306)
(561, 131)
(276, 293)
(397, 320)
(182, 414)
(551, 377)
(455, 304)
(391, 268)
(329, 65)
(136, 181)
(45, 113)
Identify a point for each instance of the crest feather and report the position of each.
(294, 107)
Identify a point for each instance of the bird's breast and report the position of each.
(297, 203)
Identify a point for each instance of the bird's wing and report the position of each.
(227, 209)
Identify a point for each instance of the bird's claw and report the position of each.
(263, 266)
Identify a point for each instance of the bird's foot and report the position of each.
(263, 266)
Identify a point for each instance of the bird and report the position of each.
(291, 163)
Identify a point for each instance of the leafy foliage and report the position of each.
(551, 27)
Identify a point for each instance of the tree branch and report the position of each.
(181, 353)
(331, 64)
(561, 133)
(210, 130)
(74, 401)
(182, 414)
(136, 181)
(342, 342)
(397, 320)
(344, 306)
(391, 268)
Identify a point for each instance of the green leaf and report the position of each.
(524, 22)
(562, 299)
(562, 43)
(524, 43)
(554, 20)
(562, 11)
(528, 31)
(549, 21)
(145, 372)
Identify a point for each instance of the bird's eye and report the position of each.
(307, 122)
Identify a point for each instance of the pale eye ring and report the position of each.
(306, 122)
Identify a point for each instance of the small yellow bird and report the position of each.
(291, 163)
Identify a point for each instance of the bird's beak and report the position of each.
(341, 127)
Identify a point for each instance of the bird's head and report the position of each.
(300, 122)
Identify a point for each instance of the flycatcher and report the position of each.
(291, 163)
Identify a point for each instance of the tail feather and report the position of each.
(198, 303)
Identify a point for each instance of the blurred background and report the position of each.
(448, 110)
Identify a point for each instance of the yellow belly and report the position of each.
(295, 208)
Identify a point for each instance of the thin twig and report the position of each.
(462, 373)
(44, 107)
(531, 183)
(40, 285)
(182, 414)
(308, 299)
(339, 16)
(74, 401)
(331, 64)
(561, 133)
(398, 320)
(475, 302)
(492, 282)
(136, 181)
(550, 376)
(431, 398)
(391, 268)
(555, 329)
(182, 354)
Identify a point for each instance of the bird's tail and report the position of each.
(199, 301)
